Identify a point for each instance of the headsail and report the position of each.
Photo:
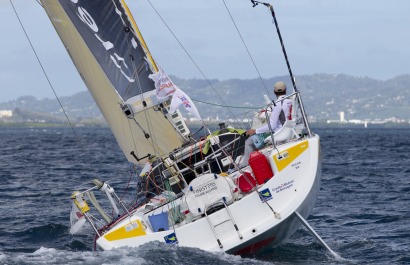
(114, 62)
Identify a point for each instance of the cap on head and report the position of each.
(279, 87)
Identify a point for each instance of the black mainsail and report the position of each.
(114, 62)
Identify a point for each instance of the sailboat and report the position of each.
(190, 192)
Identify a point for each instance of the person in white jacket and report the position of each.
(280, 113)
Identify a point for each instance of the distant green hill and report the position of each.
(324, 96)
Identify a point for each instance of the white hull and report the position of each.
(294, 187)
(285, 229)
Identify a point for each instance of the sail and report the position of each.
(112, 58)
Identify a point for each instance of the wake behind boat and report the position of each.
(190, 192)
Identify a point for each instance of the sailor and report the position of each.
(280, 113)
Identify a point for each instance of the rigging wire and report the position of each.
(48, 80)
(154, 144)
(247, 49)
(44, 71)
(275, 21)
(132, 135)
(156, 148)
(226, 106)
(193, 61)
(139, 86)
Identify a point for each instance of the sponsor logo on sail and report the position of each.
(118, 61)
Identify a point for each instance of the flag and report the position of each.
(166, 88)
(146, 169)
(77, 220)
(180, 98)
(163, 85)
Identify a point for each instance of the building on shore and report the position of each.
(365, 122)
(6, 114)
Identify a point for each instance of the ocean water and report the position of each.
(362, 212)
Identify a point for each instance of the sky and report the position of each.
(360, 38)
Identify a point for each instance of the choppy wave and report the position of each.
(362, 210)
(152, 253)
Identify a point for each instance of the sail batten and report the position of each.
(114, 65)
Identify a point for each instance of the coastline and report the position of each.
(195, 126)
